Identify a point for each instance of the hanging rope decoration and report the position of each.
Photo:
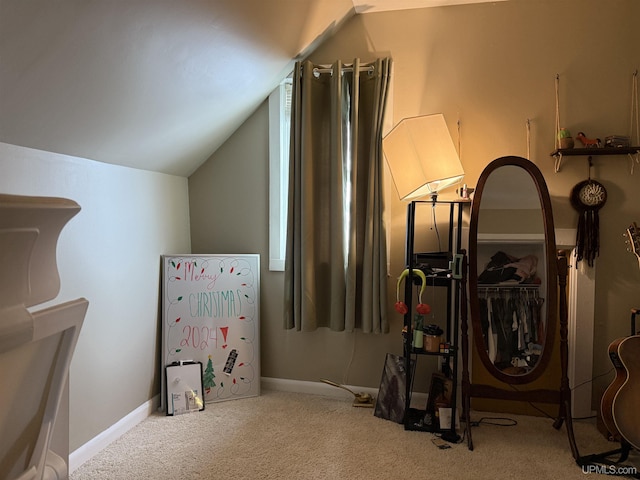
(528, 126)
(556, 140)
(588, 197)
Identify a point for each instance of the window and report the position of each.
(279, 130)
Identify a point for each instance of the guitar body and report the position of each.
(620, 403)
(626, 403)
(606, 403)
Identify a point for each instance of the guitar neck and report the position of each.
(633, 239)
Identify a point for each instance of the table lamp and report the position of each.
(422, 157)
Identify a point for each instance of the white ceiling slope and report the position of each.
(155, 85)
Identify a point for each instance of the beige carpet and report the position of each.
(282, 435)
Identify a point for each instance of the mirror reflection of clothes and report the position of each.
(507, 268)
(512, 326)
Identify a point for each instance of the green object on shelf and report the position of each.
(418, 335)
(565, 139)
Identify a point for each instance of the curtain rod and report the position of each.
(317, 71)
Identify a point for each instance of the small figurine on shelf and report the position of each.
(565, 138)
(589, 142)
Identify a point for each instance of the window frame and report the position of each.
(279, 133)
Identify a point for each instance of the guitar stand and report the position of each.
(603, 464)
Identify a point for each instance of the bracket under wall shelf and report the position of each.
(559, 153)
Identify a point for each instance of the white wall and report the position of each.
(110, 254)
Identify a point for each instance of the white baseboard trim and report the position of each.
(111, 434)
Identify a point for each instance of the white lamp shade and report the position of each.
(421, 156)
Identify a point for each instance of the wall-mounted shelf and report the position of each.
(559, 153)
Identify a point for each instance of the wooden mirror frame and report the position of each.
(550, 259)
(556, 308)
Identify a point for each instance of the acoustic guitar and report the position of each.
(619, 404)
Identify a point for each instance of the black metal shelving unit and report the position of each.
(451, 280)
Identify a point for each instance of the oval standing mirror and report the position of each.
(512, 271)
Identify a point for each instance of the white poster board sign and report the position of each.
(210, 314)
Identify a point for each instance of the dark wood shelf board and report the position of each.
(560, 153)
(575, 152)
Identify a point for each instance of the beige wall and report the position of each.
(491, 66)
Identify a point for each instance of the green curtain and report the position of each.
(335, 268)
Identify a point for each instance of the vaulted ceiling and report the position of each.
(152, 84)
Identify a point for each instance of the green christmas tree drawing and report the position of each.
(208, 377)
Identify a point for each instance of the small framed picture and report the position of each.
(184, 387)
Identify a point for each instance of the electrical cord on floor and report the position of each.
(441, 441)
(495, 421)
(572, 389)
(533, 406)
(590, 417)
(593, 378)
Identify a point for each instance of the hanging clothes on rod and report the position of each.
(512, 326)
